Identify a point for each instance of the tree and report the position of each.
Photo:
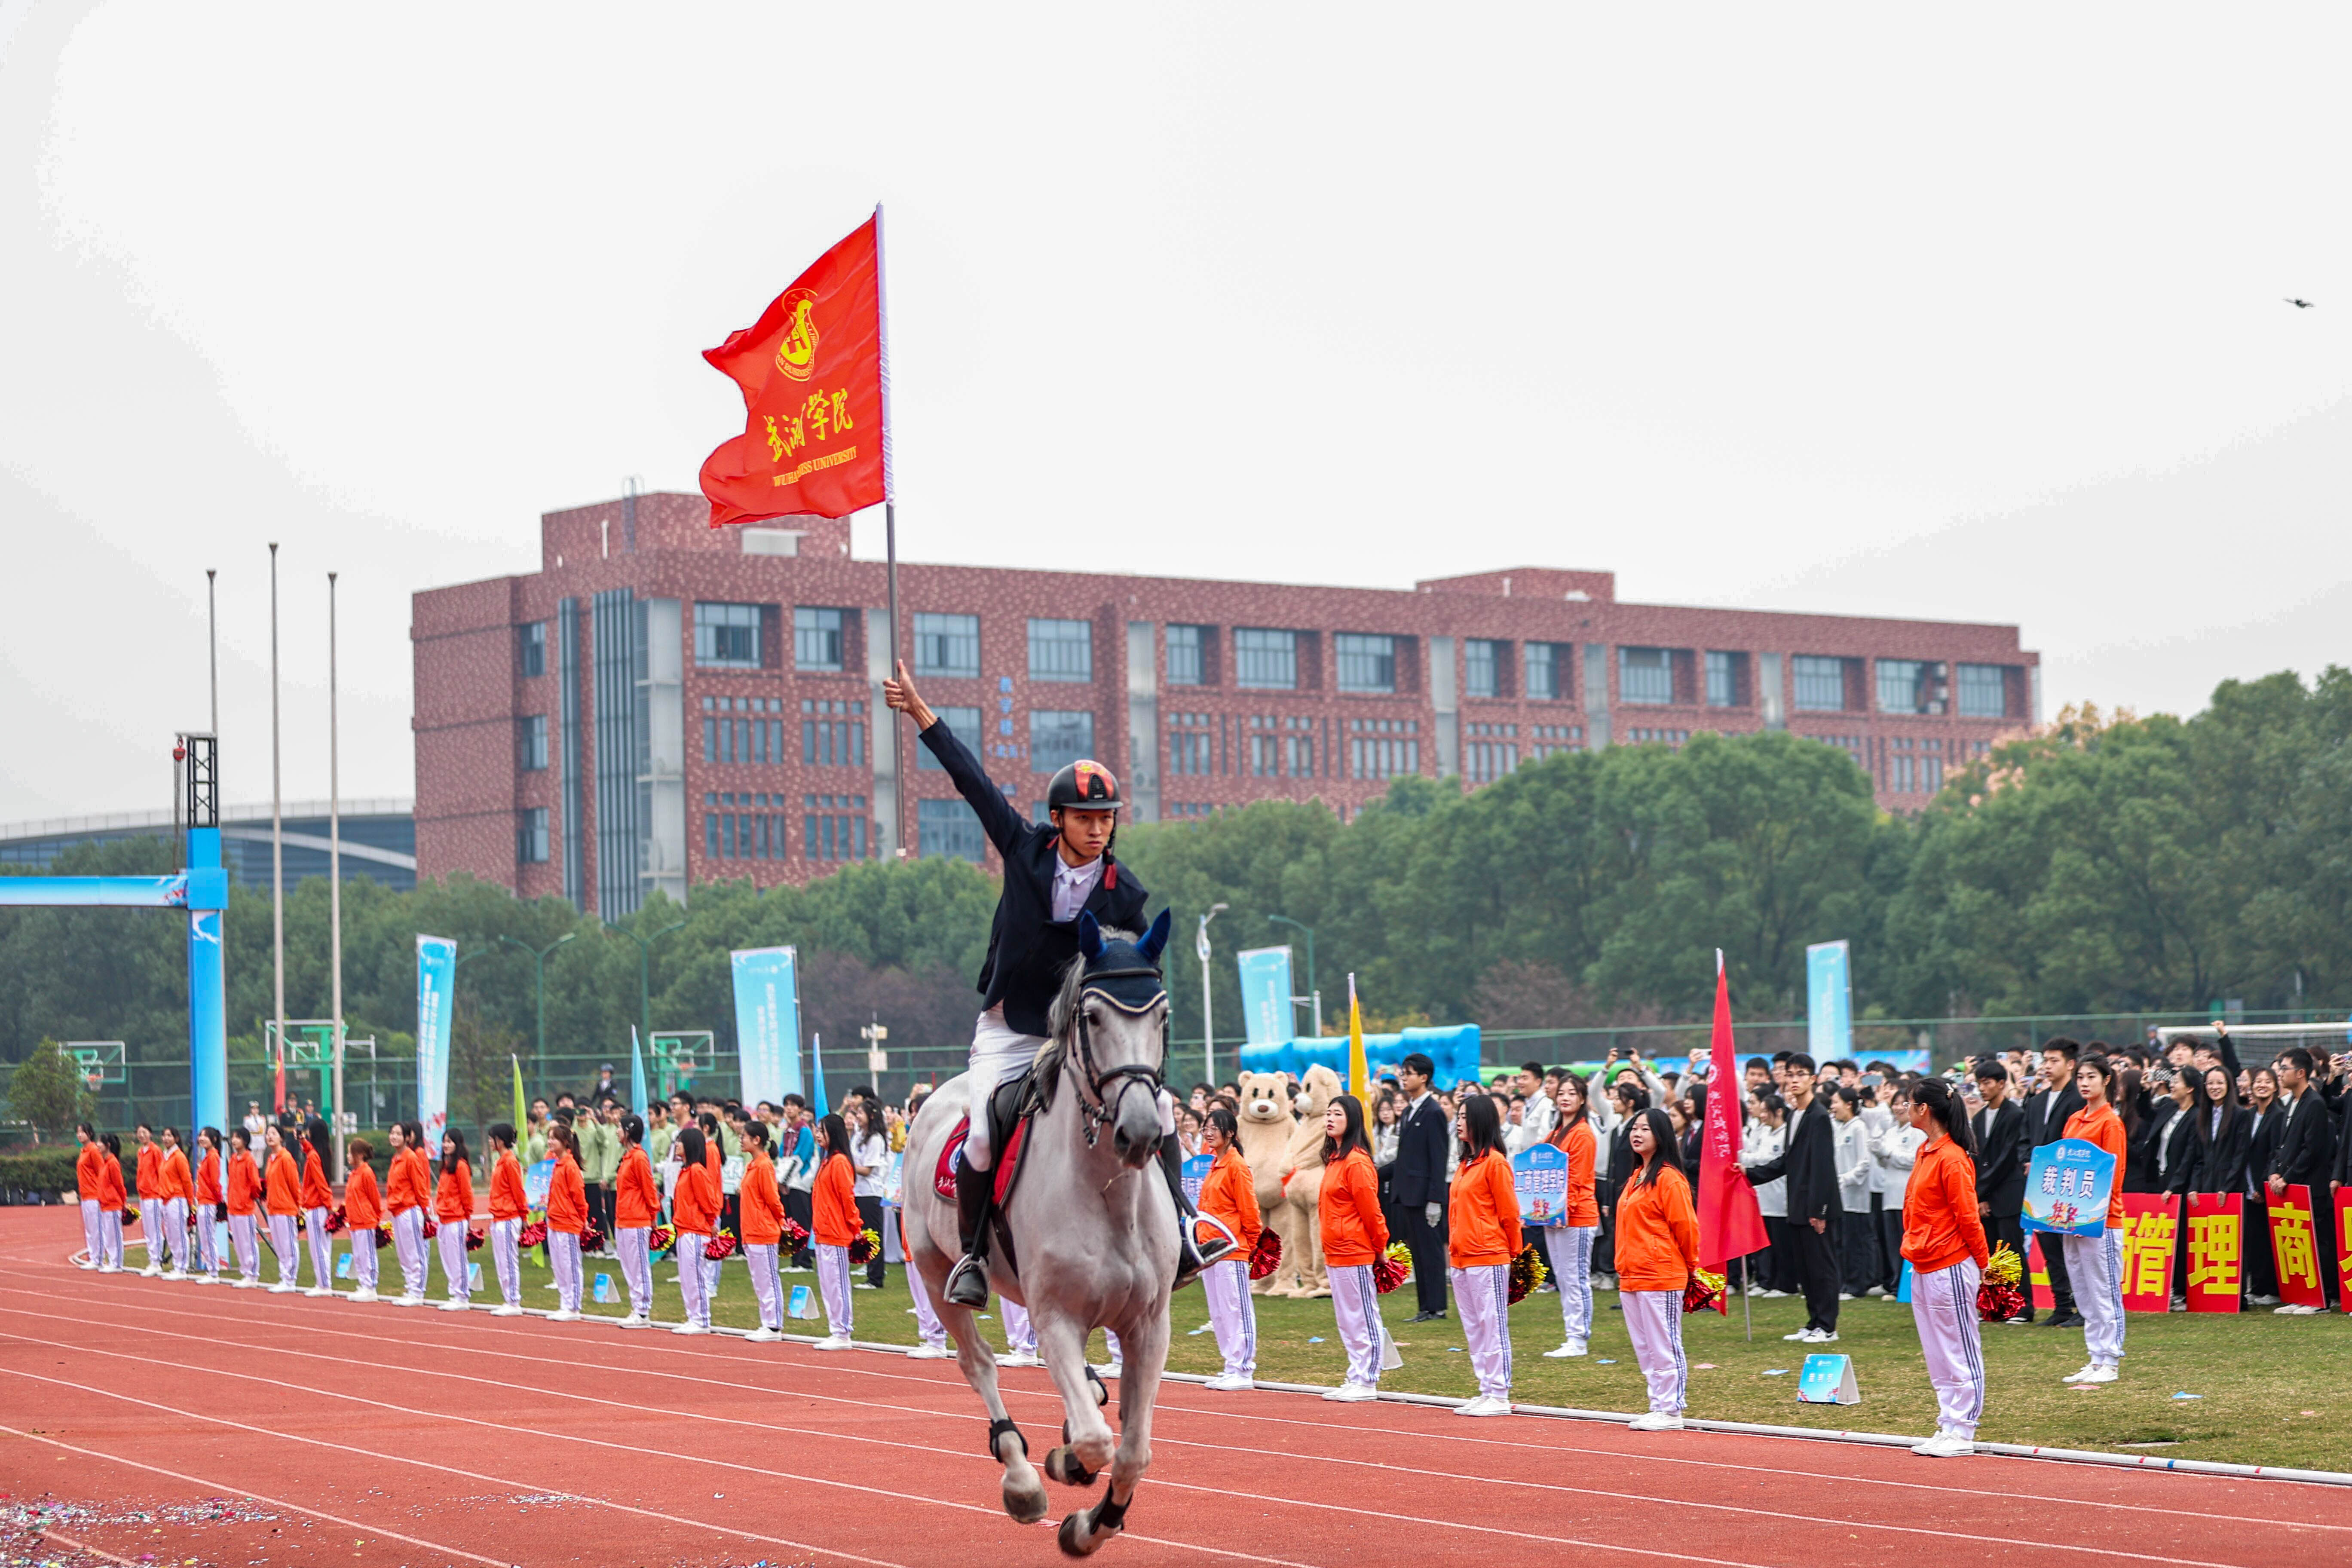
(49, 1090)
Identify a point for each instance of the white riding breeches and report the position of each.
(999, 1055)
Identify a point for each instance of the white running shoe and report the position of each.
(318, 1291)
(930, 1353)
(176, 1272)
(87, 1263)
(1352, 1393)
(1656, 1420)
(832, 1342)
(1798, 1336)
(2294, 1309)
(284, 1288)
(1020, 1358)
(1570, 1348)
(409, 1298)
(690, 1329)
(635, 1320)
(1820, 1337)
(365, 1293)
(242, 1283)
(1231, 1383)
(1485, 1404)
(1776, 1295)
(1946, 1443)
(2082, 1376)
(208, 1278)
(110, 1268)
(151, 1271)
(2101, 1372)
(457, 1304)
(561, 1315)
(763, 1335)
(506, 1309)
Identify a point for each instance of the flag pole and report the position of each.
(889, 540)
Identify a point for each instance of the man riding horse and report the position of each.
(1054, 871)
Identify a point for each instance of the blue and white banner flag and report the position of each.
(767, 1023)
(436, 989)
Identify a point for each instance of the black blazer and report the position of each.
(2220, 1166)
(2000, 1157)
(2046, 1115)
(2262, 1143)
(1419, 1164)
(2139, 1148)
(2178, 1149)
(1809, 1163)
(1027, 949)
(2306, 1147)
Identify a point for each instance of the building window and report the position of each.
(1366, 662)
(530, 835)
(1482, 668)
(531, 742)
(531, 650)
(1301, 748)
(963, 723)
(1551, 738)
(1903, 686)
(948, 828)
(1061, 650)
(947, 644)
(1726, 679)
(1548, 666)
(833, 733)
(1984, 691)
(1057, 739)
(1266, 660)
(1915, 766)
(742, 739)
(1660, 737)
(817, 638)
(727, 637)
(1188, 649)
(1485, 758)
(833, 827)
(758, 834)
(1191, 747)
(1820, 683)
(1645, 675)
(1383, 748)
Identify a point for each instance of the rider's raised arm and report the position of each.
(1005, 827)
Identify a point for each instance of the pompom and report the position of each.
(864, 1249)
(720, 1246)
(130, 1216)
(382, 1236)
(1704, 1293)
(335, 1220)
(660, 1239)
(1266, 1256)
(1527, 1271)
(1392, 1267)
(532, 1234)
(796, 1236)
(474, 1238)
(432, 1227)
(592, 1238)
(2005, 1267)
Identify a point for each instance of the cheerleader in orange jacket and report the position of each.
(694, 1220)
(1658, 1248)
(87, 1185)
(210, 1195)
(1569, 1240)
(147, 1187)
(363, 1215)
(567, 1221)
(636, 1204)
(761, 1208)
(317, 1199)
(410, 1189)
(1482, 1238)
(110, 1199)
(2095, 1263)
(453, 1210)
(179, 1190)
(1354, 1233)
(281, 1187)
(244, 1184)
(835, 1200)
(1944, 1240)
(507, 1205)
(1229, 1197)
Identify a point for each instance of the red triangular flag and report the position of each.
(1729, 1224)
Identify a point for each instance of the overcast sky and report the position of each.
(1975, 315)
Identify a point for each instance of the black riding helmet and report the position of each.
(1085, 785)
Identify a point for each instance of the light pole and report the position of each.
(335, 873)
(539, 960)
(645, 967)
(1208, 1018)
(1314, 991)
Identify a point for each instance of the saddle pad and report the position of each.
(943, 1180)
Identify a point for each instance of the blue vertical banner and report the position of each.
(208, 982)
(636, 1076)
(767, 1023)
(1828, 1002)
(436, 991)
(1265, 995)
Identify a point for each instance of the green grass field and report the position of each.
(2267, 1386)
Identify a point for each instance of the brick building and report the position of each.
(663, 704)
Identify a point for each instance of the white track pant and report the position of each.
(1356, 1307)
(1569, 1250)
(322, 1249)
(409, 1247)
(634, 1244)
(1483, 1294)
(1020, 1333)
(927, 1327)
(288, 1247)
(833, 1283)
(2095, 1264)
(999, 1055)
(506, 1254)
(452, 1237)
(175, 1231)
(1944, 1306)
(207, 1241)
(364, 1260)
(563, 1262)
(92, 1243)
(110, 1239)
(248, 1251)
(1231, 1315)
(767, 1286)
(150, 1224)
(688, 1254)
(1654, 1318)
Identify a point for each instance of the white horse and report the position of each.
(1092, 1225)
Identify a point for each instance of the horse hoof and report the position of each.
(1024, 1507)
(1077, 1540)
(1063, 1466)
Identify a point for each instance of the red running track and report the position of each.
(379, 1436)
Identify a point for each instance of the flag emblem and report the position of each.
(796, 351)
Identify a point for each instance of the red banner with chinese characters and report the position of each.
(2151, 1232)
(812, 374)
(2217, 1251)
(2295, 1246)
(2037, 1274)
(2343, 1249)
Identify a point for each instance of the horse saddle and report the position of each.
(1010, 1111)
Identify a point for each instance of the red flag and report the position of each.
(812, 369)
(1729, 1224)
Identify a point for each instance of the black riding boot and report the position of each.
(968, 1282)
(1192, 1254)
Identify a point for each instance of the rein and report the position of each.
(1106, 1088)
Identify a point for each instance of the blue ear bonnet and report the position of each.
(1125, 974)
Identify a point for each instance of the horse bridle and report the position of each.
(1108, 1087)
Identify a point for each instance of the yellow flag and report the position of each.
(1360, 1076)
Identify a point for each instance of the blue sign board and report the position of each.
(1828, 1002)
(1540, 1174)
(2067, 1187)
(767, 1023)
(1266, 994)
(1194, 1171)
(436, 985)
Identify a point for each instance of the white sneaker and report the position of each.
(2102, 1372)
(1485, 1404)
(832, 1342)
(635, 1320)
(860, 1285)
(151, 1271)
(1570, 1348)
(283, 1289)
(508, 1309)
(690, 1329)
(1800, 1334)
(208, 1278)
(86, 1263)
(458, 1305)
(318, 1291)
(410, 1299)
(176, 1272)
(242, 1283)
(1946, 1445)
(1877, 1290)
(564, 1315)
(1846, 1295)
(1775, 1295)
(2294, 1309)
(1352, 1393)
(763, 1335)
(1231, 1383)
(2262, 1300)
(930, 1353)
(2082, 1376)
(1656, 1420)
(1020, 1358)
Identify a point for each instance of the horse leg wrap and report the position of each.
(1102, 1395)
(999, 1428)
(1109, 1514)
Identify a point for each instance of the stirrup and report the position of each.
(967, 1284)
(1208, 1254)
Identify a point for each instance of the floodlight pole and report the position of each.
(1208, 1016)
(276, 848)
(539, 961)
(335, 879)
